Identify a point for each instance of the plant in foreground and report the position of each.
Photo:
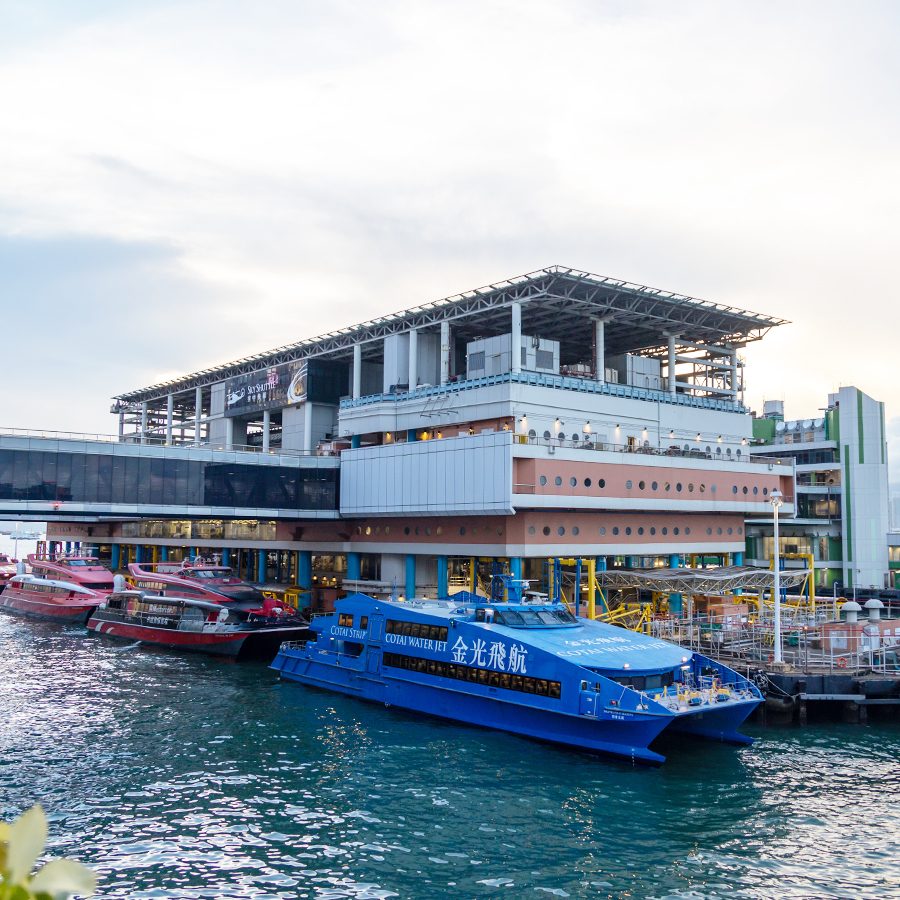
(21, 843)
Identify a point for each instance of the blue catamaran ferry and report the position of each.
(531, 668)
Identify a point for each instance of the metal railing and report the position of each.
(539, 379)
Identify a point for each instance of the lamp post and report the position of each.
(776, 501)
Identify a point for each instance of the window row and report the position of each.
(629, 530)
(159, 481)
(667, 486)
(522, 683)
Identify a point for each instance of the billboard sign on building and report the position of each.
(316, 380)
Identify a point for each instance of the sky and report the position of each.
(185, 183)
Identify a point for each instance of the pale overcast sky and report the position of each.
(187, 182)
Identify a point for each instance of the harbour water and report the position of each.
(186, 777)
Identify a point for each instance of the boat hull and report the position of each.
(39, 609)
(621, 737)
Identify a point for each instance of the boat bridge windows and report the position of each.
(417, 630)
(527, 618)
(522, 683)
(654, 682)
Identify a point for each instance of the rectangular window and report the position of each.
(345, 620)
(543, 359)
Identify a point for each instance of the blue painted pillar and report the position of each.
(676, 603)
(355, 441)
(163, 554)
(577, 585)
(410, 576)
(304, 569)
(515, 566)
(116, 559)
(260, 566)
(443, 579)
(675, 561)
(629, 562)
(226, 556)
(411, 435)
(68, 547)
(353, 566)
(738, 559)
(138, 554)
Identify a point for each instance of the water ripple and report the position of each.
(177, 777)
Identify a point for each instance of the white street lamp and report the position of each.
(776, 499)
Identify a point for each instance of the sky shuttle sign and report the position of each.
(270, 388)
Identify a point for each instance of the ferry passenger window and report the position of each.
(529, 617)
(405, 628)
(363, 622)
(653, 682)
(547, 618)
(494, 679)
(345, 620)
(516, 682)
(432, 667)
(483, 676)
(540, 687)
(504, 680)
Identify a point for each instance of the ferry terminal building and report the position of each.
(554, 415)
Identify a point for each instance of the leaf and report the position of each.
(61, 877)
(26, 841)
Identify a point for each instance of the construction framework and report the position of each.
(699, 581)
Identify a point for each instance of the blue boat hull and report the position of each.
(628, 737)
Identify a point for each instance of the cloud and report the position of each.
(326, 163)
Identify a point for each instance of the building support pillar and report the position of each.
(304, 569)
(738, 558)
(515, 567)
(115, 557)
(675, 561)
(413, 376)
(443, 580)
(260, 566)
(226, 556)
(600, 350)
(410, 576)
(144, 422)
(357, 371)
(355, 441)
(515, 350)
(198, 414)
(411, 435)
(445, 352)
(353, 566)
(267, 422)
(670, 370)
(307, 427)
(138, 553)
(229, 433)
(170, 414)
(121, 425)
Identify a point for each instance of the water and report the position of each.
(184, 777)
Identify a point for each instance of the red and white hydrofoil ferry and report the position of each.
(214, 584)
(184, 623)
(7, 568)
(83, 570)
(49, 598)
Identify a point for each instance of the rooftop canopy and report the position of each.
(557, 303)
(700, 581)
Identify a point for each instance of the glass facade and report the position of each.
(161, 481)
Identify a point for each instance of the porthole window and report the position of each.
(387, 529)
(531, 529)
(708, 450)
(573, 481)
(675, 530)
(628, 530)
(615, 529)
(738, 451)
(546, 530)
(428, 530)
(558, 480)
(730, 530)
(718, 451)
(690, 488)
(740, 529)
(368, 529)
(655, 486)
(532, 434)
(601, 483)
(734, 489)
(755, 489)
(574, 437)
(543, 480)
(641, 530)
(462, 530)
(560, 531)
(687, 530)
(686, 448)
(576, 530)
(602, 529)
(668, 486)
(665, 530)
(765, 491)
(587, 482)
(546, 435)
(406, 530)
(719, 530)
(678, 487)
(728, 452)
(629, 485)
(641, 485)
(439, 529)
(709, 531)
(652, 530)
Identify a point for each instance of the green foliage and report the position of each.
(21, 843)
